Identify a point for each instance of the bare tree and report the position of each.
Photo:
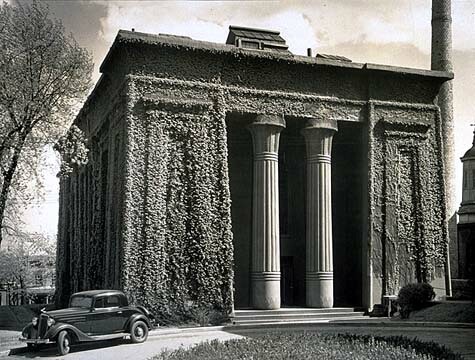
(43, 75)
(25, 257)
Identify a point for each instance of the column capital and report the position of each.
(265, 119)
(320, 124)
(265, 132)
(318, 136)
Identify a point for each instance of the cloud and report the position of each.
(317, 23)
(205, 21)
(463, 23)
(391, 53)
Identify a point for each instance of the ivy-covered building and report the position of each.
(243, 175)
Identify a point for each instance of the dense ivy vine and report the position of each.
(73, 150)
(410, 234)
(180, 256)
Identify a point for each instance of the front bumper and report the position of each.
(35, 341)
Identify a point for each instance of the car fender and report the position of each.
(134, 318)
(53, 332)
(144, 310)
(28, 331)
(150, 316)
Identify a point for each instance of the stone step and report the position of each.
(308, 320)
(291, 311)
(296, 316)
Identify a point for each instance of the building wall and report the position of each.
(90, 211)
(177, 224)
(408, 231)
(468, 188)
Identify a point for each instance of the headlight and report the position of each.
(50, 322)
(34, 321)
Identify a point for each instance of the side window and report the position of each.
(112, 301)
(99, 303)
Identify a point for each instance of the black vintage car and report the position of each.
(91, 316)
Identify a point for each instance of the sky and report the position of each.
(391, 32)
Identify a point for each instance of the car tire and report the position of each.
(32, 347)
(138, 332)
(64, 342)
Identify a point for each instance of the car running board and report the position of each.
(108, 336)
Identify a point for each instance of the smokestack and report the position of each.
(441, 59)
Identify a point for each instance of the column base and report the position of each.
(319, 289)
(265, 290)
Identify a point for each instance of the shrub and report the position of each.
(305, 345)
(205, 315)
(414, 297)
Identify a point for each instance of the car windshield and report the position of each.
(81, 301)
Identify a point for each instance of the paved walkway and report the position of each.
(120, 349)
(459, 339)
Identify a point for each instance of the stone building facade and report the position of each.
(243, 175)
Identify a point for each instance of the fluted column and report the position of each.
(265, 262)
(319, 266)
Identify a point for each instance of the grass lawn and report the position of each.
(446, 312)
(302, 345)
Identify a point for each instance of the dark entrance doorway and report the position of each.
(349, 191)
(287, 294)
(292, 213)
(240, 159)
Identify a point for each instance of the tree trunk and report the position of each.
(8, 177)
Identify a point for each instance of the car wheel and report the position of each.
(138, 332)
(64, 342)
(32, 347)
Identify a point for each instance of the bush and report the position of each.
(305, 345)
(414, 297)
(205, 315)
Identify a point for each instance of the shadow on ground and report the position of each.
(51, 349)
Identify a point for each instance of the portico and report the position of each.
(297, 262)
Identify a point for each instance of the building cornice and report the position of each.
(129, 38)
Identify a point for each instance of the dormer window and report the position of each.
(257, 39)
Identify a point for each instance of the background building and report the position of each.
(466, 225)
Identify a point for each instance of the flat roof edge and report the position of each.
(410, 71)
(125, 36)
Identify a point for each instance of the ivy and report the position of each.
(73, 150)
(180, 242)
